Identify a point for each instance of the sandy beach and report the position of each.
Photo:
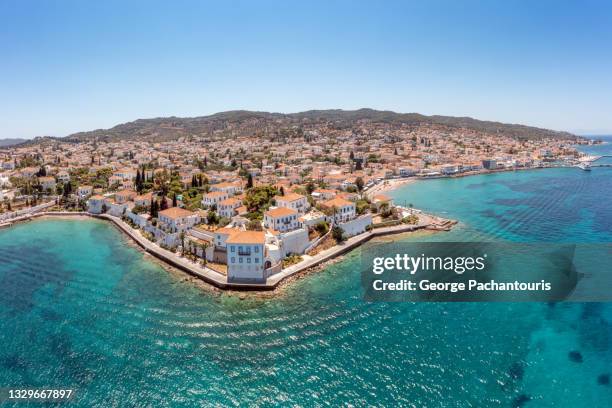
(388, 185)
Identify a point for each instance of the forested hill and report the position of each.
(252, 122)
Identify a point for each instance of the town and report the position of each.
(248, 199)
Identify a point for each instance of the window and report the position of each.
(256, 260)
(233, 248)
(239, 249)
(240, 260)
(248, 260)
(256, 249)
(233, 260)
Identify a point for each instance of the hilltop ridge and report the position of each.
(243, 122)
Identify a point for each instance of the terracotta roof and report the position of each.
(248, 237)
(381, 197)
(228, 231)
(125, 193)
(280, 212)
(146, 196)
(337, 202)
(215, 194)
(325, 191)
(176, 212)
(230, 201)
(289, 197)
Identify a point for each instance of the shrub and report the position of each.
(322, 228)
(338, 234)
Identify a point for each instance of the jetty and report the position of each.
(591, 160)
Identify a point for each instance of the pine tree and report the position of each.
(249, 181)
(174, 201)
(282, 190)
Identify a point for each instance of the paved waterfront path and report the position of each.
(219, 280)
(308, 261)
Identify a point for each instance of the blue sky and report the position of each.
(67, 66)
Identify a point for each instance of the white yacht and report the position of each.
(584, 166)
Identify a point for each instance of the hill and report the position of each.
(250, 122)
(10, 142)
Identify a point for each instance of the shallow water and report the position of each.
(80, 308)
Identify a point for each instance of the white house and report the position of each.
(341, 210)
(143, 200)
(84, 191)
(281, 219)
(125, 174)
(124, 196)
(380, 199)
(246, 257)
(293, 201)
(323, 194)
(95, 204)
(47, 183)
(229, 188)
(214, 198)
(63, 176)
(227, 208)
(177, 219)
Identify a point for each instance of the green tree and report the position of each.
(338, 234)
(212, 218)
(310, 187)
(322, 228)
(359, 183)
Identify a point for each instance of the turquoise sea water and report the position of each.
(80, 308)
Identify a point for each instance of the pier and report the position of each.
(590, 161)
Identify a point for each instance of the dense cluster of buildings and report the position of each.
(248, 201)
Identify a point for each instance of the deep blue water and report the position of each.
(80, 308)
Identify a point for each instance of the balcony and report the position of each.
(244, 253)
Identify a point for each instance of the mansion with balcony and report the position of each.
(282, 219)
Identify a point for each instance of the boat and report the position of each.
(584, 166)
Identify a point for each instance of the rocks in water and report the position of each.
(521, 400)
(575, 356)
(603, 379)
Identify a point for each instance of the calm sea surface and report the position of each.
(80, 308)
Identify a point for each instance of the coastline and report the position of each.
(390, 185)
(213, 280)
